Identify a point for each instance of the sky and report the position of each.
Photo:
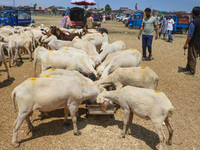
(168, 5)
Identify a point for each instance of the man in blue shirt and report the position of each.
(193, 40)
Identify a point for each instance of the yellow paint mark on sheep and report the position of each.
(156, 92)
(41, 46)
(66, 49)
(47, 76)
(50, 51)
(33, 79)
(53, 69)
(123, 50)
(143, 67)
(133, 49)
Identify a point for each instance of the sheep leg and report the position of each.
(66, 111)
(9, 53)
(30, 126)
(16, 126)
(29, 52)
(126, 118)
(169, 127)
(158, 127)
(6, 68)
(72, 109)
(130, 123)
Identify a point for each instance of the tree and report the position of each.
(53, 10)
(86, 6)
(34, 6)
(108, 9)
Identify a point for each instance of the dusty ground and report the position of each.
(101, 132)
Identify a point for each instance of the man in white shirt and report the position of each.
(170, 27)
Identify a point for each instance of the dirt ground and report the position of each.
(101, 132)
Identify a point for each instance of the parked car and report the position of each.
(15, 17)
(76, 15)
(125, 17)
(136, 21)
(181, 24)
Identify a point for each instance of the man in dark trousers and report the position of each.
(149, 24)
(193, 40)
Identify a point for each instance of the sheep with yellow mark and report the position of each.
(97, 39)
(143, 77)
(145, 103)
(82, 55)
(127, 58)
(108, 49)
(47, 94)
(62, 60)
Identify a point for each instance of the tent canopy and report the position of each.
(83, 2)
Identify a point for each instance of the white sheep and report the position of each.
(83, 57)
(86, 46)
(62, 60)
(2, 59)
(130, 58)
(108, 49)
(143, 77)
(97, 39)
(47, 94)
(147, 104)
(106, 62)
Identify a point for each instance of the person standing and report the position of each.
(170, 27)
(104, 18)
(90, 21)
(69, 23)
(149, 24)
(164, 27)
(63, 22)
(193, 40)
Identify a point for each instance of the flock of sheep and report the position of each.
(85, 68)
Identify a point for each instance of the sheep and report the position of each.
(47, 94)
(109, 48)
(73, 50)
(147, 104)
(56, 44)
(86, 46)
(62, 60)
(63, 72)
(16, 42)
(106, 62)
(130, 58)
(2, 59)
(97, 39)
(134, 76)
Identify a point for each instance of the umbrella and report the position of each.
(83, 2)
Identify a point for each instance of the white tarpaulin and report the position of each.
(83, 2)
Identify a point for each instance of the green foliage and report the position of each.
(108, 8)
(53, 10)
(86, 6)
(34, 6)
